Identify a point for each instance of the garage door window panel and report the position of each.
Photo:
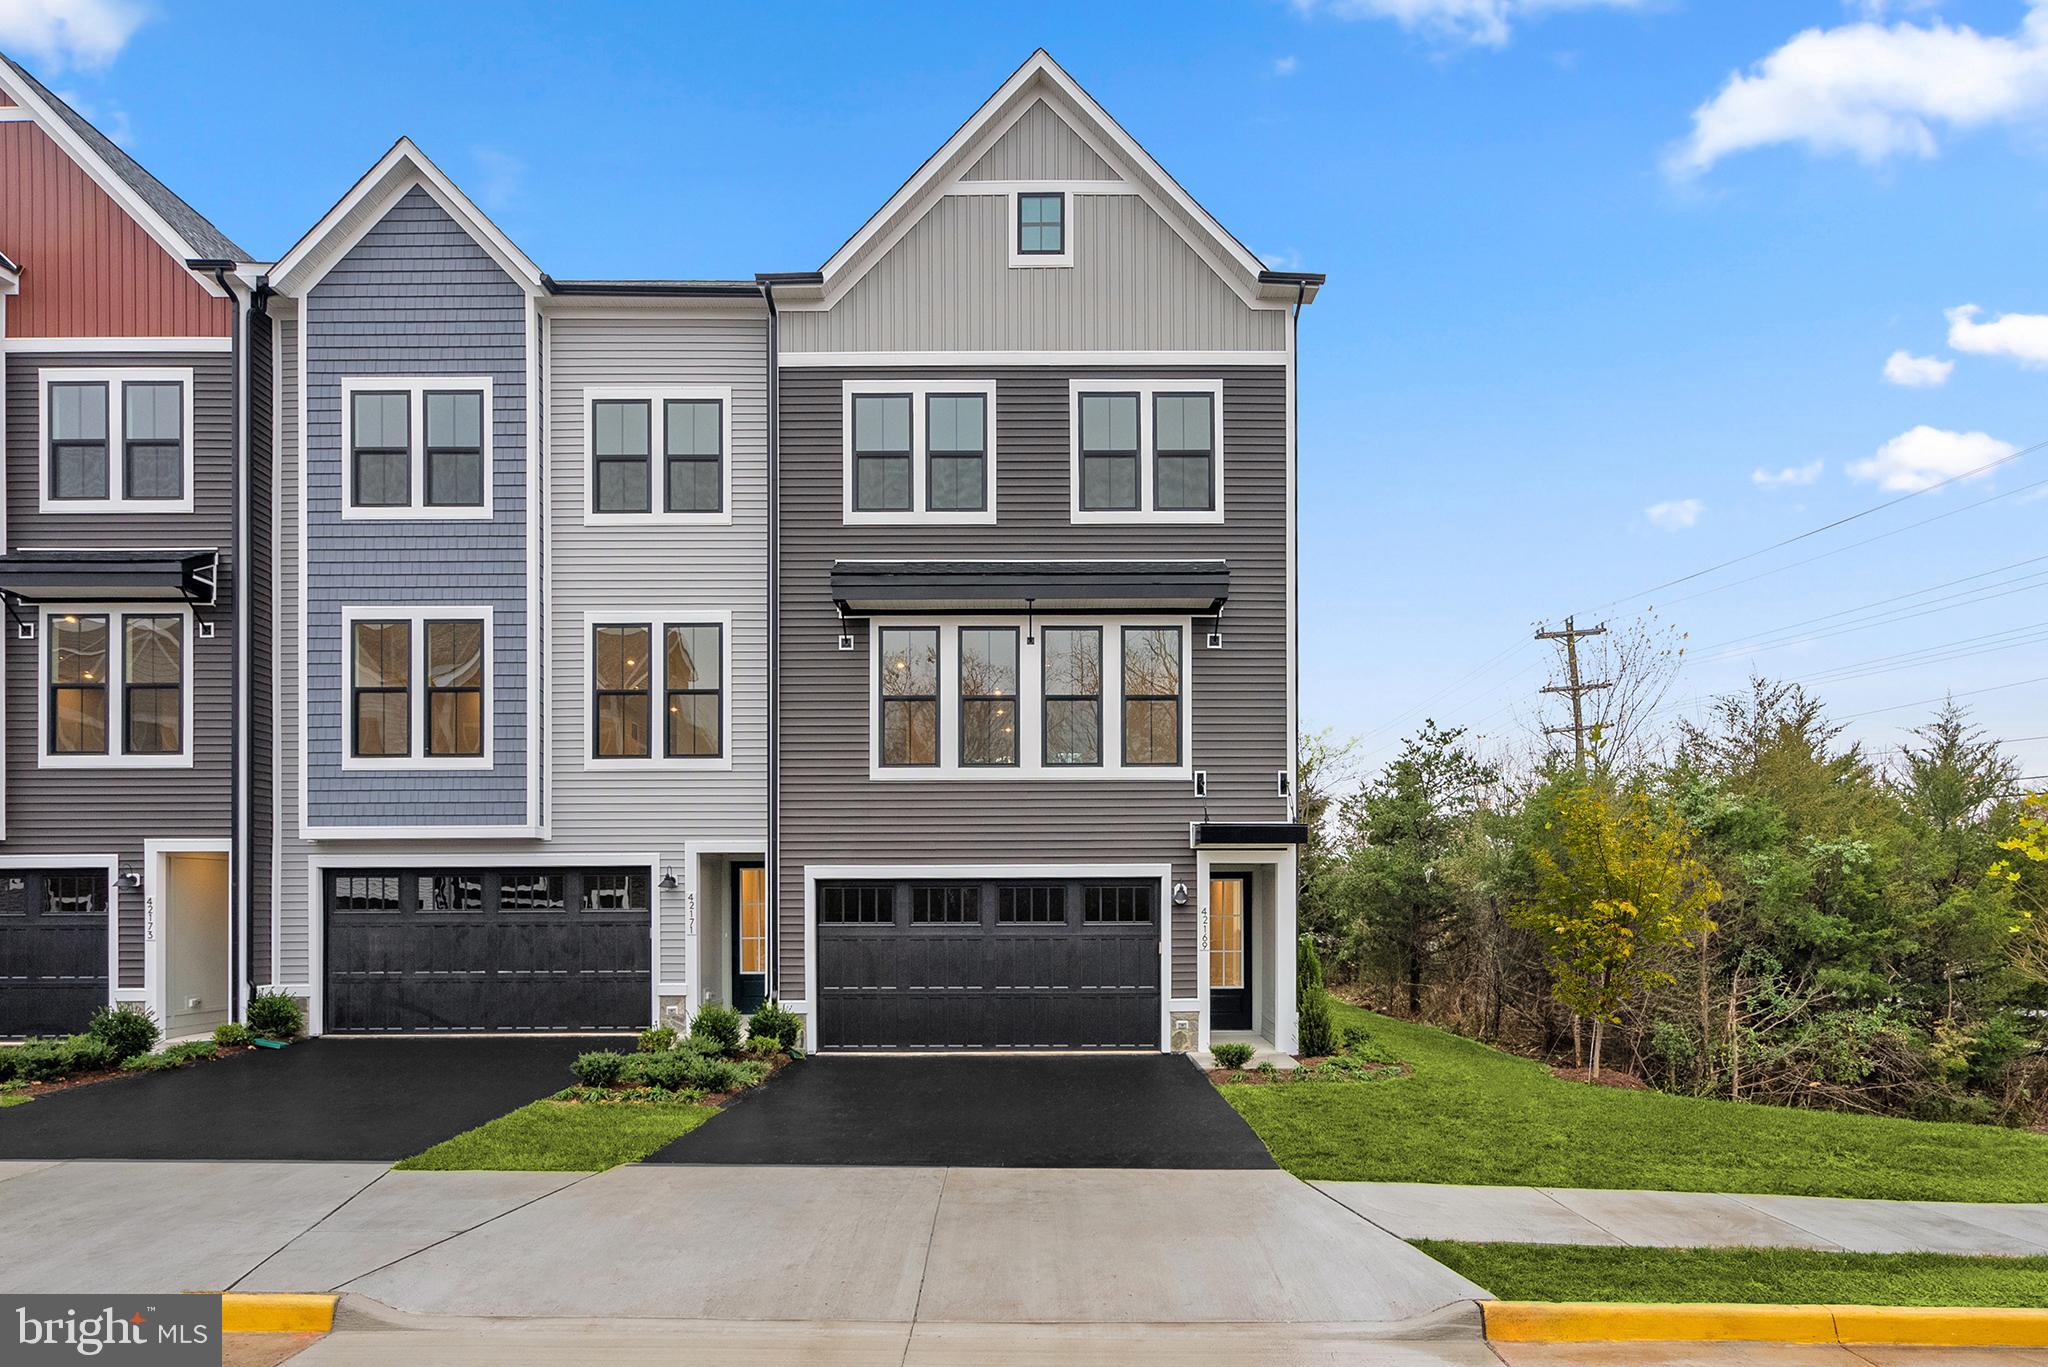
(910, 697)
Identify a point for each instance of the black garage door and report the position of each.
(484, 949)
(988, 965)
(53, 950)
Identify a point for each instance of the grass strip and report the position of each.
(560, 1136)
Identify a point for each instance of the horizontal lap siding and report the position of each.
(113, 810)
(833, 812)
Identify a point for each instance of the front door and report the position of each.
(749, 936)
(1230, 952)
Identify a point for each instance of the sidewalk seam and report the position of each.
(1833, 1245)
(930, 1237)
(510, 1210)
(1550, 1194)
(250, 1271)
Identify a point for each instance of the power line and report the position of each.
(1928, 702)
(1874, 603)
(1882, 619)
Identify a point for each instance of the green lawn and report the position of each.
(1469, 1114)
(555, 1136)
(1744, 1276)
(14, 1099)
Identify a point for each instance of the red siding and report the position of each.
(87, 268)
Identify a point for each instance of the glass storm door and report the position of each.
(1230, 952)
(749, 936)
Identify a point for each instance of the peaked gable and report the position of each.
(1041, 146)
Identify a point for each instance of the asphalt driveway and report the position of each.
(982, 1111)
(340, 1100)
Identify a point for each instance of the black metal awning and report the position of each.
(866, 587)
(62, 576)
(1250, 833)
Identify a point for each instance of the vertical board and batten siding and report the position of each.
(832, 812)
(260, 485)
(56, 812)
(88, 269)
(670, 571)
(1135, 285)
(1040, 146)
(416, 296)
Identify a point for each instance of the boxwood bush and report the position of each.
(656, 1040)
(1233, 1055)
(274, 1015)
(720, 1024)
(599, 1069)
(784, 1027)
(233, 1035)
(126, 1029)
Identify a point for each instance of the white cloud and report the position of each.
(1286, 66)
(1791, 477)
(2021, 336)
(1676, 514)
(1917, 372)
(1925, 456)
(80, 33)
(1884, 9)
(1875, 91)
(1485, 23)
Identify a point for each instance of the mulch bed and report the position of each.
(1609, 1077)
(65, 1084)
(1252, 1077)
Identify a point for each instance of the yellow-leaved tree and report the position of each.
(1617, 890)
(2030, 925)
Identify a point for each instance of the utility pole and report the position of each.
(1577, 688)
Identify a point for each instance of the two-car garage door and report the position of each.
(989, 964)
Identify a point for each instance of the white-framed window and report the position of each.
(115, 684)
(1041, 226)
(1146, 450)
(919, 452)
(657, 455)
(417, 687)
(116, 441)
(656, 689)
(1076, 696)
(416, 447)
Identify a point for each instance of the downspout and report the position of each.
(773, 875)
(1294, 555)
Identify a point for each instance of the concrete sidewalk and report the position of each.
(1676, 1219)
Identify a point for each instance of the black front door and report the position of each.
(53, 950)
(1230, 952)
(749, 936)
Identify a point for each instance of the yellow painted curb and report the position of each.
(245, 1313)
(1567, 1322)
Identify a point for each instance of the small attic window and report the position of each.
(1041, 225)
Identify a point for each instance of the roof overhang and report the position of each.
(1290, 286)
(1248, 834)
(654, 289)
(10, 275)
(61, 576)
(864, 588)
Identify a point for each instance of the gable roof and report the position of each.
(197, 239)
(1042, 80)
(370, 198)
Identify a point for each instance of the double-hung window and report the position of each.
(677, 664)
(117, 687)
(416, 447)
(956, 446)
(1151, 722)
(418, 687)
(910, 697)
(657, 454)
(920, 451)
(116, 441)
(1183, 452)
(1147, 451)
(988, 696)
(1109, 452)
(1073, 695)
(881, 453)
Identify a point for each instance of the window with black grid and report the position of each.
(533, 892)
(74, 894)
(615, 892)
(1034, 904)
(450, 892)
(366, 892)
(1116, 905)
(857, 905)
(957, 905)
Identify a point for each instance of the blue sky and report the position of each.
(1576, 274)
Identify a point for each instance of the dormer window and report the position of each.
(1041, 234)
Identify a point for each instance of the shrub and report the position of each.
(174, 1056)
(1233, 1055)
(274, 1015)
(92, 1054)
(599, 1069)
(233, 1035)
(784, 1027)
(688, 1070)
(42, 1060)
(1311, 1003)
(658, 1040)
(764, 1046)
(126, 1029)
(10, 1065)
(718, 1023)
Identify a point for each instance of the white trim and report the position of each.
(110, 864)
(816, 873)
(1021, 260)
(419, 833)
(116, 381)
(1030, 702)
(1147, 390)
(1279, 923)
(415, 388)
(917, 515)
(691, 989)
(117, 669)
(277, 676)
(656, 397)
(656, 761)
(904, 360)
(117, 344)
(963, 188)
(319, 863)
(417, 760)
(539, 568)
(155, 885)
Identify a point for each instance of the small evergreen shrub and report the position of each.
(174, 1056)
(233, 1035)
(90, 1053)
(599, 1069)
(1311, 1003)
(784, 1027)
(688, 1070)
(764, 1046)
(1232, 1055)
(657, 1041)
(42, 1060)
(718, 1023)
(274, 1015)
(126, 1029)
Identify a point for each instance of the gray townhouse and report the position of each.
(1035, 633)
(133, 454)
(521, 652)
